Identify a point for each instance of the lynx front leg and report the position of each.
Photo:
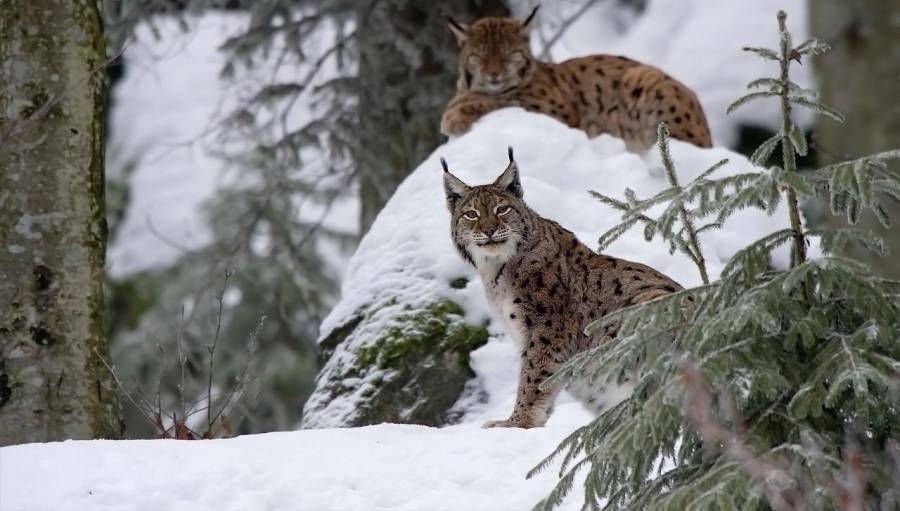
(463, 110)
(532, 404)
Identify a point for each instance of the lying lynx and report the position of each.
(542, 283)
(597, 94)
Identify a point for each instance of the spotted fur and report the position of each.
(543, 284)
(597, 94)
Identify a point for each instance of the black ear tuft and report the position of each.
(455, 24)
(458, 29)
(531, 16)
(444, 165)
(509, 179)
(509, 151)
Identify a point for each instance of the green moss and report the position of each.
(459, 283)
(440, 328)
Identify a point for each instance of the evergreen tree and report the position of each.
(765, 388)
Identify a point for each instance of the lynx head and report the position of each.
(487, 222)
(494, 55)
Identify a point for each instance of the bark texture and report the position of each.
(407, 74)
(860, 77)
(53, 384)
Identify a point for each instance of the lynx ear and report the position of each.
(509, 180)
(453, 187)
(458, 29)
(525, 24)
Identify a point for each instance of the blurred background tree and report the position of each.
(861, 78)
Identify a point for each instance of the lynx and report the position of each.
(597, 94)
(542, 283)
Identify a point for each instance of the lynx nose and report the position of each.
(488, 232)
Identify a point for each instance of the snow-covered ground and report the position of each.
(386, 467)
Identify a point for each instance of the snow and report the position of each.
(386, 467)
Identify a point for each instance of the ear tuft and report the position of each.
(509, 180)
(509, 151)
(531, 16)
(459, 30)
(454, 188)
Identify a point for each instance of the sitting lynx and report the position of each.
(542, 283)
(597, 94)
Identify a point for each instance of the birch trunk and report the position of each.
(53, 384)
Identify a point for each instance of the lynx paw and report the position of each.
(454, 123)
(509, 423)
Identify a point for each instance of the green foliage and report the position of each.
(765, 388)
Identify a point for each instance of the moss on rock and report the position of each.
(411, 371)
(438, 328)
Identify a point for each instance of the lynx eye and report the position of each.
(471, 215)
(502, 210)
(517, 57)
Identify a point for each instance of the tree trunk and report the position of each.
(860, 77)
(53, 384)
(407, 74)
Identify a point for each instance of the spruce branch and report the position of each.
(693, 244)
(787, 147)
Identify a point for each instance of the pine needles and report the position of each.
(765, 388)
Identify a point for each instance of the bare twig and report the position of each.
(211, 349)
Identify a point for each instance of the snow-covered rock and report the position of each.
(406, 269)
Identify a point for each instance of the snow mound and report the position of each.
(407, 261)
